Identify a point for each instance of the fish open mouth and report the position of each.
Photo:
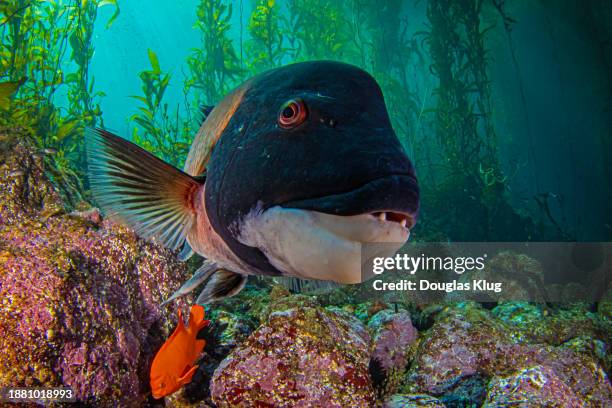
(322, 238)
(404, 220)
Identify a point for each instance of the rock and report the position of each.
(466, 341)
(521, 314)
(235, 327)
(520, 275)
(533, 386)
(467, 392)
(566, 324)
(278, 292)
(364, 311)
(413, 401)
(604, 307)
(287, 302)
(394, 344)
(594, 348)
(393, 334)
(579, 372)
(462, 337)
(300, 357)
(79, 302)
(92, 215)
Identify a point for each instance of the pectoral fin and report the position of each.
(185, 253)
(221, 285)
(186, 378)
(307, 286)
(198, 277)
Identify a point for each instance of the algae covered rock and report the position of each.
(521, 314)
(521, 276)
(393, 336)
(413, 401)
(536, 386)
(455, 347)
(79, 302)
(394, 343)
(301, 357)
(466, 342)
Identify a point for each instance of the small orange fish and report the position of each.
(173, 365)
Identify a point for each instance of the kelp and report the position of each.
(473, 179)
(265, 48)
(212, 70)
(215, 66)
(46, 48)
(317, 29)
(444, 118)
(162, 131)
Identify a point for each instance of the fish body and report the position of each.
(174, 364)
(289, 175)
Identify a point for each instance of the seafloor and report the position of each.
(79, 307)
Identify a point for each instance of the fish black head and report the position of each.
(308, 168)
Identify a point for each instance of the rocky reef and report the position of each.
(79, 297)
(79, 307)
(467, 344)
(300, 357)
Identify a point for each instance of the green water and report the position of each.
(503, 107)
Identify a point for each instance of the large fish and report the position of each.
(288, 175)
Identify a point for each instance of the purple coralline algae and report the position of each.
(536, 386)
(301, 357)
(79, 308)
(392, 338)
(467, 341)
(79, 297)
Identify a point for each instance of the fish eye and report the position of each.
(292, 114)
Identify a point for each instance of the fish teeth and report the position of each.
(403, 222)
(382, 216)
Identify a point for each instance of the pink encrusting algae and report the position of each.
(80, 307)
(79, 301)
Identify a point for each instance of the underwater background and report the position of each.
(504, 107)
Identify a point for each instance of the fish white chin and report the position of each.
(313, 245)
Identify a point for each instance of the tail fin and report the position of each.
(139, 189)
(196, 318)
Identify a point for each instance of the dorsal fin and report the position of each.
(211, 130)
(140, 190)
(205, 111)
(196, 319)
